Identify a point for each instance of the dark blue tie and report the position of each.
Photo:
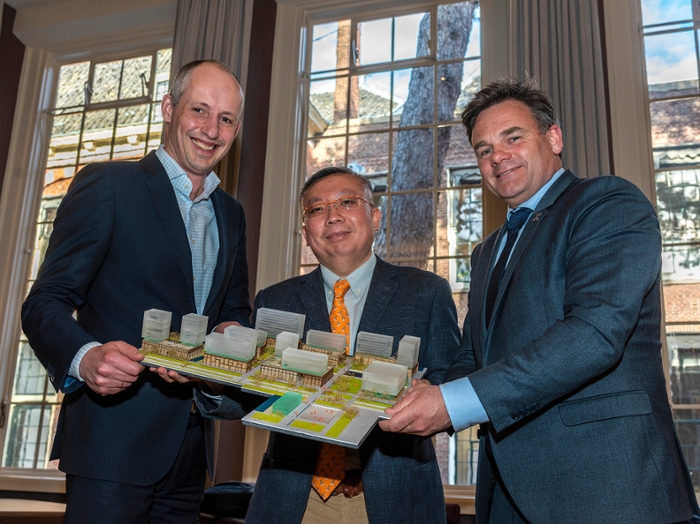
(516, 220)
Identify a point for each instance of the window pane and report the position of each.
(411, 226)
(105, 85)
(369, 153)
(97, 136)
(324, 46)
(671, 64)
(412, 165)
(688, 428)
(406, 35)
(374, 102)
(30, 376)
(678, 199)
(324, 153)
(71, 84)
(328, 106)
(675, 122)
(130, 136)
(375, 41)
(413, 91)
(63, 148)
(459, 154)
(471, 83)
(464, 221)
(454, 29)
(684, 356)
(474, 47)
(655, 12)
(136, 77)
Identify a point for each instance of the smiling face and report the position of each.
(199, 131)
(340, 239)
(515, 158)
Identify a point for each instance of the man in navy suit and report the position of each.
(393, 478)
(128, 237)
(561, 355)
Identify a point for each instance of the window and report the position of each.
(102, 111)
(384, 96)
(671, 32)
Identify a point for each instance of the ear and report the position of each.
(166, 108)
(303, 233)
(556, 139)
(238, 128)
(376, 218)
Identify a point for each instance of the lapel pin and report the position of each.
(537, 216)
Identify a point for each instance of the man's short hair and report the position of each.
(335, 170)
(183, 76)
(523, 90)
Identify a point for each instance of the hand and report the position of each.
(220, 328)
(421, 411)
(111, 367)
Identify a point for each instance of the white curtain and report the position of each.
(559, 42)
(209, 29)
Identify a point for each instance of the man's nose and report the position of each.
(210, 126)
(333, 214)
(499, 154)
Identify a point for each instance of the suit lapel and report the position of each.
(220, 269)
(559, 186)
(381, 290)
(165, 203)
(313, 297)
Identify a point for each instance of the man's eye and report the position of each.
(348, 202)
(484, 152)
(315, 210)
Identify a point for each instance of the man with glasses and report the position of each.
(391, 478)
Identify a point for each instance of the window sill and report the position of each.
(462, 495)
(32, 480)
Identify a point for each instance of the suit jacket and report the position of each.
(399, 472)
(570, 370)
(119, 247)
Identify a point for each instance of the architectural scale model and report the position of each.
(315, 390)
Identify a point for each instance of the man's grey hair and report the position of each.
(335, 170)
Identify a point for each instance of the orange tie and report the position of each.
(330, 469)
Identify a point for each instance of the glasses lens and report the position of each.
(347, 203)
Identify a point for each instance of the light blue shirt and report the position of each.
(463, 405)
(202, 233)
(356, 296)
(200, 224)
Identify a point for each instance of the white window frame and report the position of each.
(53, 36)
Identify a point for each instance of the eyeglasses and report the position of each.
(342, 204)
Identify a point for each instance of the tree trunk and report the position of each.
(411, 222)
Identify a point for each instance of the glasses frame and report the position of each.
(334, 203)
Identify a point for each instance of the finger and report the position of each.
(418, 383)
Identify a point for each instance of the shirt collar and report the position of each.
(359, 279)
(534, 200)
(180, 181)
